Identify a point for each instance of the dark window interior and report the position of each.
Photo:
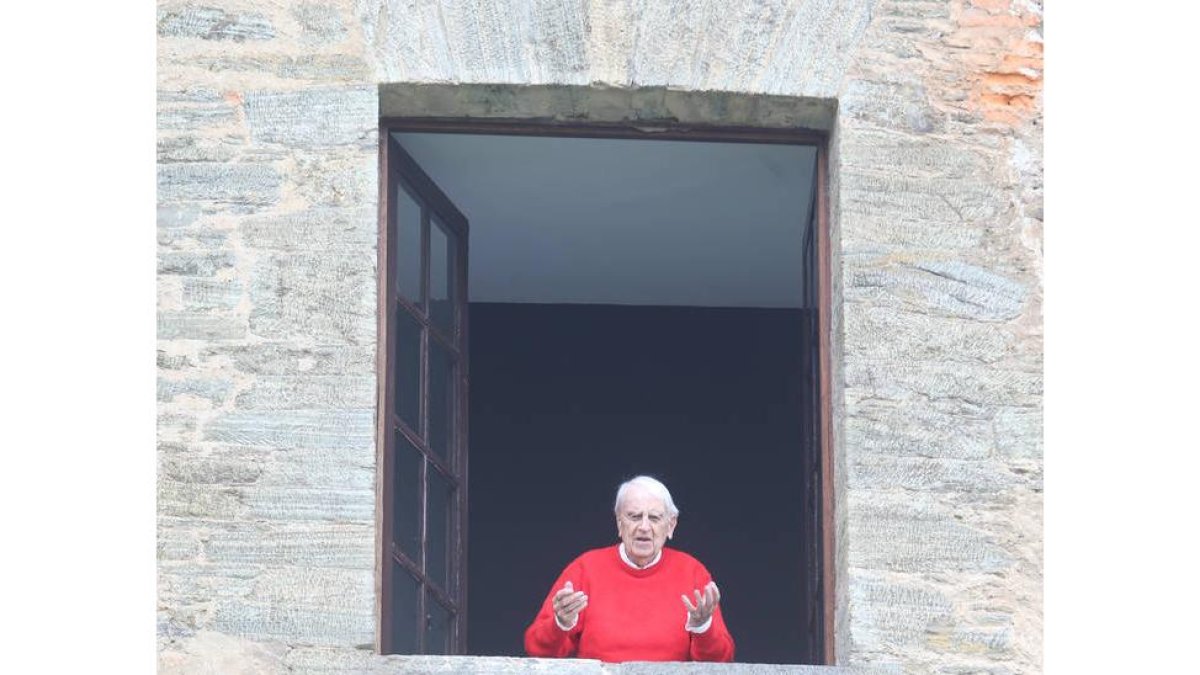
(567, 401)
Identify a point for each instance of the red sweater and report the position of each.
(632, 614)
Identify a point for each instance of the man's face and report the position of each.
(643, 525)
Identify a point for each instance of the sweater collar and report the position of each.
(625, 558)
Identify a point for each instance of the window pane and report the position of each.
(402, 602)
(406, 248)
(441, 277)
(406, 498)
(408, 370)
(441, 504)
(441, 399)
(437, 626)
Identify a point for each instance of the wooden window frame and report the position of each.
(825, 576)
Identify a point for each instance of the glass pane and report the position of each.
(437, 626)
(441, 505)
(441, 277)
(406, 247)
(441, 399)
(408, 370)
(402, 602)
(406, 499)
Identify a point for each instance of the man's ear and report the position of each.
(671, 526)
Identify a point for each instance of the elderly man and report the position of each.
(636, 601)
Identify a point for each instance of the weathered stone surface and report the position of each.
(917, 429)
(330, 181)
(317, 229)
(971, 385)
(894, 334)
(947, 288)
(314, 297)
(225, 469)
(200, 326)
(213, 390)
(189, 500)
(320, 23)
(913, 533)
(195, 117)
(197, 149)
(194, 263)
(309, 392)
(295, 429)
(894, 613)
(903, 106)
(343, 469)
(245, 184)
(1019, 433)
(212, 23)
(329, 626)
(177, 544)
(213, 652)
(343, 545)
(286, 359)
(310, 504)
(324, 68)
(314, 118)
(211, 293)
(919, 473)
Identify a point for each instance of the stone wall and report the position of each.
(268, 184)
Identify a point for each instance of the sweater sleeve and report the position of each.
(714, 644)
(543, 637)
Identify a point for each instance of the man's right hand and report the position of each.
(568, 603)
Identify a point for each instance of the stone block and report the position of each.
(892, 614)
(201, 582)
(334, 626)
(910, 532)
(177, 215)
(1019, 433)
(189, 500)
(319, 23)
(940, 287)
(912, 429)
(929, 475)
(197, 149)
(227, 468)
(318, 229)
(245, 184)
(311, 504)
(971, 387)
(901, 106)
(212, 652)
(201, 293)
(338, 468)
(313, 118)
(345, 590)
(312, 392)
(328, 298)
(194, 263)
(200, 326)
(177, 543)
(337, 181)
(895, 334)
(195, 117)
(286, 359)
(212, 23)
(309, 545)
(324, 68)
(346, 429)
(214, 390)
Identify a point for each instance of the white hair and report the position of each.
(651, 485)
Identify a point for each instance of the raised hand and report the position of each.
(568, 603)
(704, 606)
